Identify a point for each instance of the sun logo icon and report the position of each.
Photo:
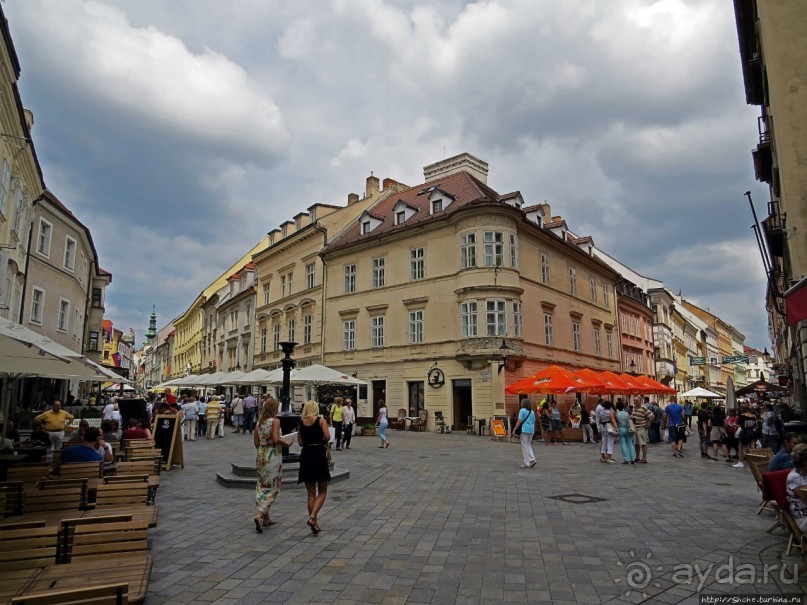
(638, 574)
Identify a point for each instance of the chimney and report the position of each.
(373, 186)
(392, 184)
(464, 162)
(352, 198)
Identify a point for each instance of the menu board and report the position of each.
(168, 438)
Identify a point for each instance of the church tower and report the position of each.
(151, 333)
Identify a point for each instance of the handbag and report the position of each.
(631, 426)
(517, 430)
(611, 429)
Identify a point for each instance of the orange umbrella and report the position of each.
(655, 385)
(597, 385)
(553, 380)
(639, 388)
(618, 386)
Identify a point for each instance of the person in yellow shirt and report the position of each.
(212, 414)
(336, 420)
(54, 421)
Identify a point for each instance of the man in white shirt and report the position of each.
(108, 409)
(190, 409)
(237, 408)
(348, 420)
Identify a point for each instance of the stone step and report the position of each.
(243, 470)
(244, 482)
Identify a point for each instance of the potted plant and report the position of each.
(368, 430)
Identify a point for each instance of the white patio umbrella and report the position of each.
(702, 393)
(230, 378)
(256, 376)
(206, 380)
(319, 374)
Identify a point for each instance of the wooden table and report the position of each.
(136, 571)
(13, 583)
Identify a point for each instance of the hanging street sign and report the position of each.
(736, 359)
(697, 361)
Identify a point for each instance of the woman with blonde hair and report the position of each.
(268, 462)
(313, 436)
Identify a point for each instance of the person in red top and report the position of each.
(170, 397)
(136, 430)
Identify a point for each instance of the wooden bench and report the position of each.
(14, 582)
(28, 473)
(110, 594)
(105, 541)
(71, 470)
(11, 498)
(39, 499)
(32, 547)
(78, 576)
(138, 467)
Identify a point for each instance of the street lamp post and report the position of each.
(632, 367)
(289, 421)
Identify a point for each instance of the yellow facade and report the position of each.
(290, 277)
(429, 333)
(187, 348)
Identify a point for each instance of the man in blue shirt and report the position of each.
(676, 429)
(86, 451)
(782, 459)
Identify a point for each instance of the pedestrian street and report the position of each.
(452, 518)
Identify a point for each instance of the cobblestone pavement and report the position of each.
(454, 519)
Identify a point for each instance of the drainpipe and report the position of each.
(324, 232)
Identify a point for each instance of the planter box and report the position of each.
(367, 432)
(570, 434)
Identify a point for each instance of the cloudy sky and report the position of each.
(180, 132)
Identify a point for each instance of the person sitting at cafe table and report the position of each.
(12, 434)
(136, 430)
(54, 421)
(78, 434)
(39, 437)
(89, 450)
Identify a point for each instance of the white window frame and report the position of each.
(572, 280)
(349, 334)
(308, 323)
(291, 328)
(576, 343)
(544, 268)
(606, 296)
(467, 250)
(417, 264)
(266, 298)
(63, 317)
(37, 305)
(517, 319)
(416, 326)
(493, 248)
(514, 250)
(350, 279)
(609, 344)
(593, 282)
(469, 319)
(264, 338)
(43, 245)
(310, 275)
(276, 336)
(549, 333)
(379, 272)
(377, 331)
(597, 344)
(68, 255)
(496, 317)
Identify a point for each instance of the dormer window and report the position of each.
(402, 212)
(439, 201)
(368, 222)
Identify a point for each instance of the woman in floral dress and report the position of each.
(268, 462)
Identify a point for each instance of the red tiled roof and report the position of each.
(581, 240)
(555, 222)
(462, 187)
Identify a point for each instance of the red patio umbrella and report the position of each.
(632, 381)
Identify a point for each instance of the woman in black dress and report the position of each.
(313, 436)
